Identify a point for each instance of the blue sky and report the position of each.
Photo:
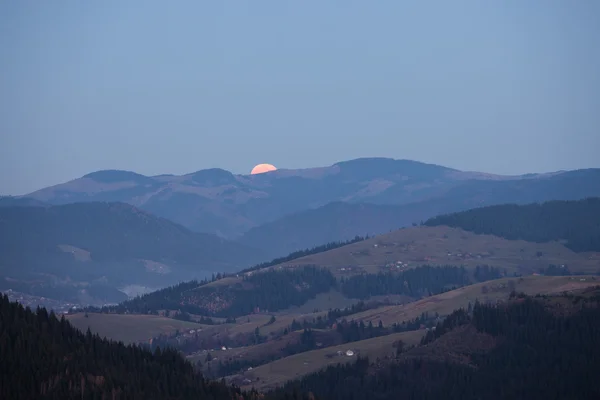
(173, 87)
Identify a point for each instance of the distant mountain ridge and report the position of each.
(106, 244)
(499, 246)
(577, 223)
(217, 201)
(12, 201)
(340, 221)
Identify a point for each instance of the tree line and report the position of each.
(277, 289)
(44, 357)
(540, 355)
(416, 282)
(576, 222)
(303, 253)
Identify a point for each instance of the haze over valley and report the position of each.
(300, 200)
(111, 234)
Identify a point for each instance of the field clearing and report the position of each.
(258, 351)
(440, 245)
(129, 328)
(230, 280)
(280, 371)
(323, 301)
(495, 290)
(282, 321)
(416, 246)
(443, 245)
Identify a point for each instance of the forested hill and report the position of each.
(171, 297)
(271, 290)
(306, 252)
(535, 348)
(105, 247)
(278, 289)
(112, 232)
(46, 358)
(576, 222)
(523, 351)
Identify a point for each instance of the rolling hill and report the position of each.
(294, 367)
(524, 349)
(342, 220)
(217, 201)
(442, 245)
(535, 347)
(49, 359)
(485, 292)
(427, 259)
(577, 223)
(338, 220)
(291, 367)
(11, 201)
(129, 328)
(87, 250)
(287, 368)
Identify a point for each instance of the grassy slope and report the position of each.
(259, 321)
(498, 289)
(129, 328)
(293, 367)
(431, 245)
(132, 328)
(272, 347)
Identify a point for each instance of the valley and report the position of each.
(86, 253)
(263, 325)
(265, 365)
(441, 245)
(299, 200)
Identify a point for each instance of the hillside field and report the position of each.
(293, 367)
(492, 291)
(440, 245)
(129, 328)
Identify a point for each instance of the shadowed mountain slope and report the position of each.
(217, 201)
(341, 221)
(111, 244)
(576, 222)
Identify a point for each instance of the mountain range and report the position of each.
(90, 239)
(83, 252)
(287, 210)
(340, 221)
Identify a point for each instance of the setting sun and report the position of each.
(262, 168)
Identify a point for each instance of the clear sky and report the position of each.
(173, 87)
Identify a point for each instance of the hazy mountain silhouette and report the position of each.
(217, 201)
(113, 244)
(11, 201)
(342, 221)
